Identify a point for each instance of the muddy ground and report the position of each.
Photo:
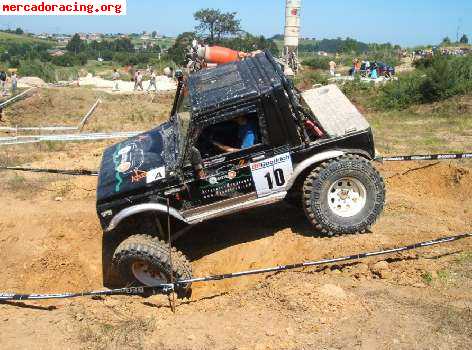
(50, 241)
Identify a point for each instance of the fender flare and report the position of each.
(142, 208)
(317, 158)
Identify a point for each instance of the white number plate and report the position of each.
(155, 174)
(271, 175)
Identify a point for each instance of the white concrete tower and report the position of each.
(292, 32)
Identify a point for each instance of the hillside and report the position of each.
(21, 39)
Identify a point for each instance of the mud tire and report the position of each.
(154, 252)
(318, 183)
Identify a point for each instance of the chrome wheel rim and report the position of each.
(147, 275)
(347, 197)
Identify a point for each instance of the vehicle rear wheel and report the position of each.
(145, 260)
(344, 195)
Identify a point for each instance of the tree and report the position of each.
(446, 41)
(154, 33)
(464, 39)
(19, 31)
(216, 24)
(228, 24)
(75, 44)
(208, 19)
(178, 50)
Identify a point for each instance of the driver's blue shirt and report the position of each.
(247, 135)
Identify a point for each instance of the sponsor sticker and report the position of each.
(155, 174)
(271, 175)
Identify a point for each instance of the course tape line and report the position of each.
(79, 172)
(449, 156)
(168, 288)
(444, 156)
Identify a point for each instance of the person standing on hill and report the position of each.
(14, 83)
(152, 81)
(373, 73)
(115, 77)
(138, 81)
(3, 82)
(332, 68)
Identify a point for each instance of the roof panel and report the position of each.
(227, 84)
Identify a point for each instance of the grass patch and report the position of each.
(124, 334)
(52, 146)
(15, 183)
(465, 258)
(427, 278)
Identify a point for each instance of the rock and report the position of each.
(386, 274)
(360, 270)
(333, 291)
(380, 268)
(58, 199)
(381, 265)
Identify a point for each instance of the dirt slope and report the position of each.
(50, 243)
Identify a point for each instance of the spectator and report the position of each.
(152, 81)
(367, 68)
(138, 81)
(14, 83)
(373, 73)
(115, 77)
(3, 82)
(357, 65)
(332, 68)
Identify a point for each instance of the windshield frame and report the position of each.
(183, 117)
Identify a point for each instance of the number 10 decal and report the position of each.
(279, 178)
(271, 175)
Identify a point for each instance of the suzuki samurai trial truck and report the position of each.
(313, 149)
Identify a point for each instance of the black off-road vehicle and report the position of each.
(313, 149)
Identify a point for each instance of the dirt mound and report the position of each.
(31, 82)
(64, 230)
(48, 245)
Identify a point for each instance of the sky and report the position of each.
(404, 22)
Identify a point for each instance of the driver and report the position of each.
(246, 135)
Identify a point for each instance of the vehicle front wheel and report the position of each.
(344, 195)
(144, 260)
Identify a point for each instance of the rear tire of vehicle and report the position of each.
(343, 196)
(145, 260)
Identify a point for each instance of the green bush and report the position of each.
(436, 79)
(352, 88)
(70, 73)
(37, 68)
(318, 62)
(306, 80)
(401, 93)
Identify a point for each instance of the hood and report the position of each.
(138, 163)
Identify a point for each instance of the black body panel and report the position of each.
(127, 166)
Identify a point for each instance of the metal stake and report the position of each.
(172, 280)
